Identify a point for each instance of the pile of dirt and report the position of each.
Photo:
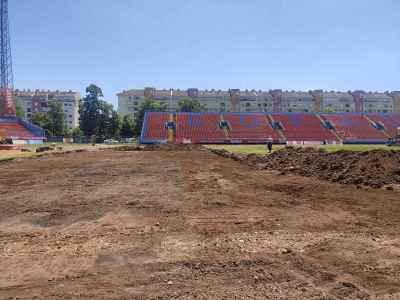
(373, 168)
(129, 148)
(172, 147)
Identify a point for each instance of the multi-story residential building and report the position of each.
(235, 100)
(37, 101)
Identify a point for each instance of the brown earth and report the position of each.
(190, 225)
(376, 168)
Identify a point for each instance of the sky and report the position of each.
(220, 44)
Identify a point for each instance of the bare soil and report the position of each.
(190, 225)
(376, 168)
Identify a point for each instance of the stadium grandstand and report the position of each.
(256, 128)
(18, 131)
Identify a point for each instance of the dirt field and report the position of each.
(12, 154)
(190, 225)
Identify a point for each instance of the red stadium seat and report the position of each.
(355, 128)
(199, 128)
(303, 127)
(250, 127)
(154, 129)
(254, 127)
(390, 121)
(16, 131)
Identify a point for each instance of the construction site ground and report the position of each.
(190, 225)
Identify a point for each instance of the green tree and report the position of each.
(108, 122)
(190, 105)
(56, 117)
(97, 117)
(114, 124)
(53, 121)
(127, 127)
(77, 132)
(41, 119)
(20, 111)
(329, 110)
(88, 110)
(148, 105)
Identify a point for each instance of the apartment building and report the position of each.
(38, 100)
(235, 100)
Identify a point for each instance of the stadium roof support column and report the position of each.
(318, 98)
(396, 101)
(358, 97)
(276, 100)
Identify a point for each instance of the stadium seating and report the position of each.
(15, 129)
(199, 128)
(301, 126)
(250, 127)
(154, 130)
(205, 128)
(390, 121)
(353, 127)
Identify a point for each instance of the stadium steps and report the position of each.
(353, 127)
(390, 121)
(374, 124)
(13, 129)
(226, 131)
(271, 120)
(323, 121)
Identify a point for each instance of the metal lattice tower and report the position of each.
(7, 106)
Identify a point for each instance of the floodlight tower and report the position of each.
(7, 107)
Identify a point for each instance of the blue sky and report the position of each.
(261, 44)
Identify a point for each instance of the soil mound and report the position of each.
(172, 147)
(128, 148)
(373, 168)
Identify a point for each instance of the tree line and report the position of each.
(99, 118)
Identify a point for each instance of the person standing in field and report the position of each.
(269, 145)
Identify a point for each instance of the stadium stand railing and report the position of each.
(17, 129)
(199, 128)
(303, 127)
(390, 122)
(229, 128)
(250, 128)
(154, 129)
(355, 128)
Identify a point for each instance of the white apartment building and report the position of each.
(37, 101)
(235, 100)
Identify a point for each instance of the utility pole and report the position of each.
(7, 106)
